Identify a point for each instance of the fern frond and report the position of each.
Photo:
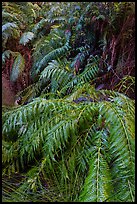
(97, 186)
(89, 72)
(87, 75)
(126, 85)
(39, 25)
(26, 37)
(5, 54)
(53, 55)
(10, 155)
(9, 30)
(121, 147)
(8, 26)
(18, 68)
(72, 141)
(58, 73)
(47, 44)
(8, 16)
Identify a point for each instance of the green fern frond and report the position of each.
(26, 37)
(100, 135)
(87, 75)
(126, 85)
(8, 16)
(90, 71)
(47, 44)
(18, 68)
(97, 186)
(71, 141)
(9, 30)
(121, 147)
(58, 73)
(39, 25)
(10, 155)
(5, 55)
(53, 55)
(8, 26)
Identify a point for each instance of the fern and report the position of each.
(39, 25)
(26, 37)
(58, 72)
(87, 75)
(71, 141)
(9, 16)
(5, 54)
(101, 147)
(97, 186)
(47, 44)
(18, 68)
(9, 30)
(118, 143)
(121, 138)
(7, 26)
(53, 55)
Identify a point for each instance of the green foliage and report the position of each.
(45, 45)
(5, 54)
(87, 75)
(97, 187)
(56, 53)
(18, 68)
(68, 140)
(127, 84)
(26, 37)
(9, 30)
(117, 141)
(55, 131)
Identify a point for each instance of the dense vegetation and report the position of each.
(72, 135)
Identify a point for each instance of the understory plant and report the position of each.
(72, 136)
(84, 148)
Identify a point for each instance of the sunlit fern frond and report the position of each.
(26, 37)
